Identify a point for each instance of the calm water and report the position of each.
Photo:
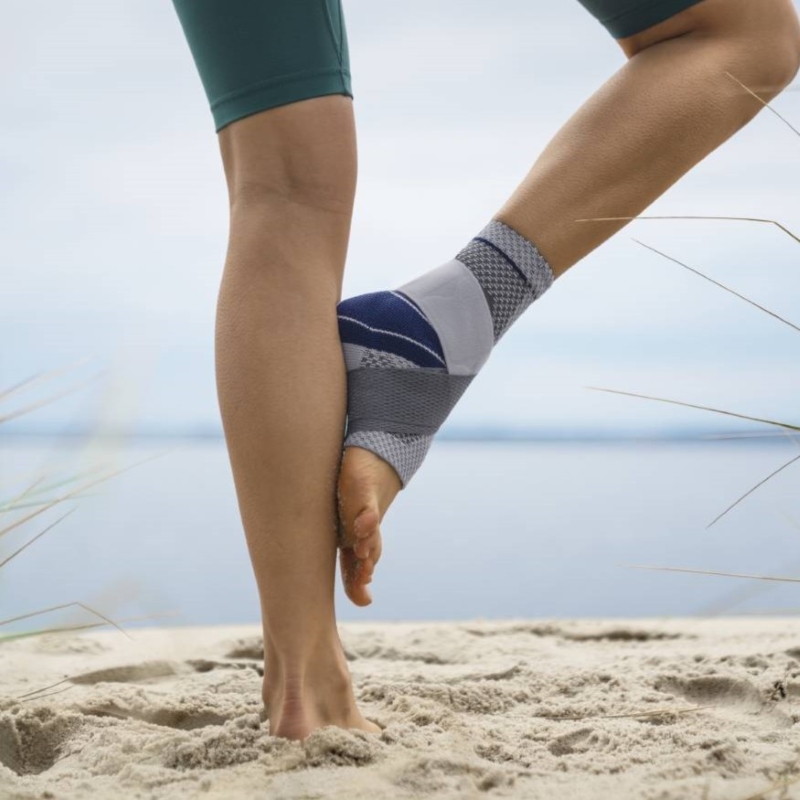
(485, 530)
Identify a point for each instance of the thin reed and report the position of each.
(786, 427)
(40, 496)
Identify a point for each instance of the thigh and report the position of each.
(253, 55)
(624, 18)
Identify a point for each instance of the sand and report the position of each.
(635, 708)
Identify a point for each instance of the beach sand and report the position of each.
(636, 708)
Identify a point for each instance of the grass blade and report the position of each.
(41, 376)
(709, 572)
(29, 695)
(26, 492)
(764, 103)
(31, 541)
(748, 493)
(743, 593)
(14, 503)
(74, 492)
(9, 637)
(49, 694)
(722, 286)
(38, 503)
(656, 712)
(41, 403)
(741, 219)
(785, 425)
(106, 619)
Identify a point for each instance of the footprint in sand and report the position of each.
(30, 739)
(714, 690)
(431, 776)
(152, 671)
(569, 742)
(134, 673)
(181, 712)
(734, 694)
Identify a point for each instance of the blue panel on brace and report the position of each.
(384, 321)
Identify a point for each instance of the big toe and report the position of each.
(360, 550)
(365, 491)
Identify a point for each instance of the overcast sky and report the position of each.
(114, 221)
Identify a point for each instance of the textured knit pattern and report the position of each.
(511, 272)
(507, 292)
(387, 332)
(402, 400)
(377, 358)
(522, 253)
(404, 451)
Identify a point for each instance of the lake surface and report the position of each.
(486, 530)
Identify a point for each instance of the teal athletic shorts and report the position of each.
(257, 54)
(623, 18)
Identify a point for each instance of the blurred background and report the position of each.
(538, 492)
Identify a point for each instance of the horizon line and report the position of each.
(476, 433)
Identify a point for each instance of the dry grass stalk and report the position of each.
(786, 428)
(657, 712)
(710, 572)
(31, 489)
(106, 620)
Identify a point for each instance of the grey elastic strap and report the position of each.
(523, 253)
(401, 400)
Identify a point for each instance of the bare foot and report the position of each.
(367, 487)
(320, 695)
(298, 720)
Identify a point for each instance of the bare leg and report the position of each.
(666, 109)
(291, 175)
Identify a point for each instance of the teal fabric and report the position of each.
(623, 18)
(257, 54)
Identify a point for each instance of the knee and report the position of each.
(763, 36)
(766, 36)
(296, 192)
(299, 156)
(779, 47)
(786, 53)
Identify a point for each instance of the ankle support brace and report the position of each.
(412, 352)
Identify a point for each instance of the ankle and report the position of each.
(321, 671)
(310, 700)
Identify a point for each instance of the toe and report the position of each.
(359, 551)
(366, 530)
(355, 571)
(354, 577)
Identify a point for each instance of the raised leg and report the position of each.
(666, 109)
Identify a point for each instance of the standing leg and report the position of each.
(666, 109)
(281, 386)
(277, 80)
